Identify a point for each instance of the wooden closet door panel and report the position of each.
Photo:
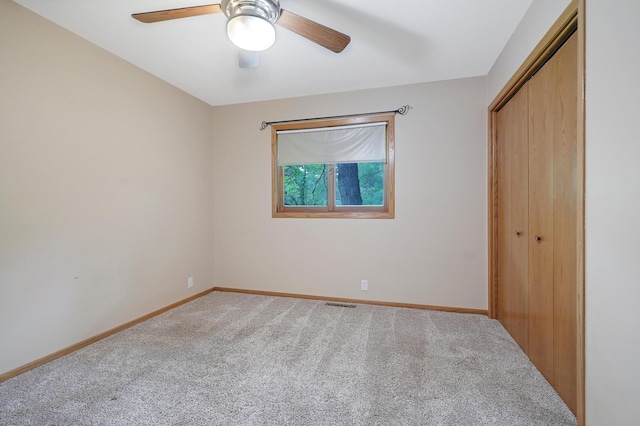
(564, 70)
(541, 232)
(520, 221)
(513, 287)
(505, 248)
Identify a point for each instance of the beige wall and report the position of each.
(534, 25)
(612, 212)
(433, 252)
(106, 199)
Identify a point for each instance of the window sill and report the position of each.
(335, 215)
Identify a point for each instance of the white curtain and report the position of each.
(332, 145)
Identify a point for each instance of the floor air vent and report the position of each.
(341, 305)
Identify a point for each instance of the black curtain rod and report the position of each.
(403, 110)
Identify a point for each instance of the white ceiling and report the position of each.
(392, 43)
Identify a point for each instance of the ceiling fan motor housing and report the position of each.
(268, 10)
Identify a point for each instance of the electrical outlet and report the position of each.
(364, 285)
(190, 282)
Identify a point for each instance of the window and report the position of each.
(334, 168)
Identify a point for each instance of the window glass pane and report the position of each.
(305, 185)
(360, 184)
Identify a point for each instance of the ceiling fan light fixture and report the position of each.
(251, 23)
(251, 32)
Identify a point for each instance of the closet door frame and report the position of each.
(572, 19)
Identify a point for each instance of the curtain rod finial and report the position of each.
(264, 125)
(404, 109)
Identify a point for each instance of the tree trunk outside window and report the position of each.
(349, 184)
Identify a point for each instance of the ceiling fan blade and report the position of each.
(317, 33)
(183, 12)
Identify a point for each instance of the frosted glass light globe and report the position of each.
(251, 32)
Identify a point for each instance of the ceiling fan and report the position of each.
(250, 25)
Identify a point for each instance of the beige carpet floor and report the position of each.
(237, 359)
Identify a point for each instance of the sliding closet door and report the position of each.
(564, 222)
(541, 222)
(552, 220)
(512, 143)
(505, 243)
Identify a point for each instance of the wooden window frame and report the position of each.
(386, 211)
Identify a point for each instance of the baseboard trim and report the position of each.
(359, 301)
(66, 351)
